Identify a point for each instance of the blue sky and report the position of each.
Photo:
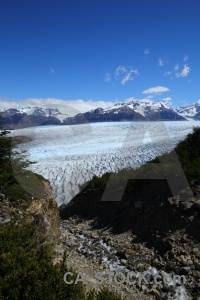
(98, 50)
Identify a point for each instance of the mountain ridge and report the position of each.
(130, 111)
(135, 110)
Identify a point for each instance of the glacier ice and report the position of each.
(68, 156)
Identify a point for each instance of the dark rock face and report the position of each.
(166, 115)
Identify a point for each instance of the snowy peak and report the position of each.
(159, 105)
(34, 111)
(129, 111)
(139, 105)
(27, 117)
(190, 112)
(40, 111)
(142, 107)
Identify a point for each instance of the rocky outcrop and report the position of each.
(41, 211)
(46, 215)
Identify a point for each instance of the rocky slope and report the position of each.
(41, 211)
(46, 214)
(136, 234)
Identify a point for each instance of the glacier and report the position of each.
(69, 156)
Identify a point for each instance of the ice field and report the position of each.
(68, 156)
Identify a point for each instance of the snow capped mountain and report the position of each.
(27, 117)
(130, 111)
(190, 112)
(43, 111)
(141, 107)
(134, 110)
(36, 111)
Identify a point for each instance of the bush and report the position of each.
(27, 270)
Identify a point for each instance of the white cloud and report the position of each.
(107, 77)
(161, 62)
(52, 70)
(167, 99)
(129, 99)
(146, 51)
(184, 72)
(124, 74)
(120, 70)
(156, 90)
(167, 73)
(176, 68)
(128, 76)
(146, 99)
(185, 58)
(177, 72)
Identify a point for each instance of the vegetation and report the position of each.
(17, 183)
(188, 152)
(27, 270)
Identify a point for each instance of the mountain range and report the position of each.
(130, 111)
(13, 118)
(27, 117)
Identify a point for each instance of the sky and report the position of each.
(93, 53)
